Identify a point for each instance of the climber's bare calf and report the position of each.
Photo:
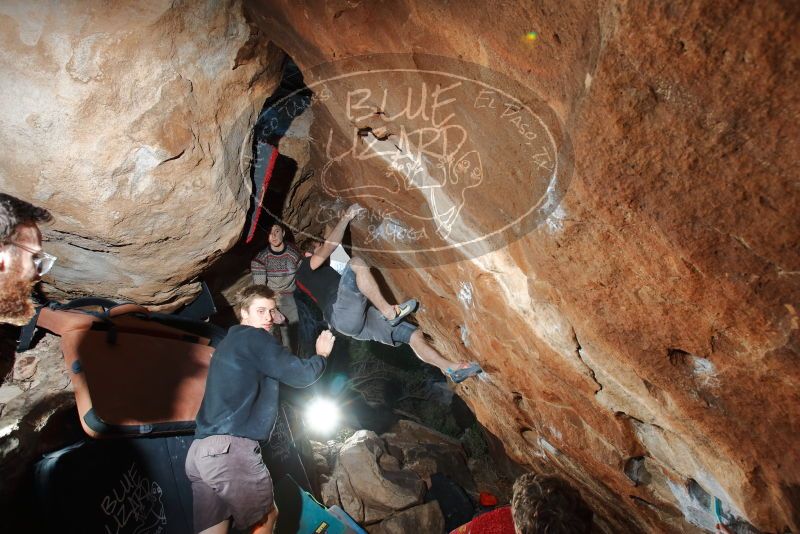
(369, 287)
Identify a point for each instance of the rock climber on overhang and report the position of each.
(352, 303)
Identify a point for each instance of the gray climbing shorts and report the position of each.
(229, 479)
(354, 316)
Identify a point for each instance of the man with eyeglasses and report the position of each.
(22, 260)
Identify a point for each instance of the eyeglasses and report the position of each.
(41, 259)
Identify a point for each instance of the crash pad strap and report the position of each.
(27, 333)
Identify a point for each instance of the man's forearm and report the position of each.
(334, 239)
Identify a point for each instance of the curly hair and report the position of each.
(548, 505)
(14, 212)
(246, 296)
(309, 244)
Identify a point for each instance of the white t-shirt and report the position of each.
(339, 259)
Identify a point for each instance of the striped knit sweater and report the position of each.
(276, 269)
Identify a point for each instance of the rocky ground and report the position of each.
(381, 481)
(37, 412)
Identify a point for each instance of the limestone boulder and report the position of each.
(329, 492)
(379, 481)
(367, 481)
(131, 123)
(426, 518)
(425, 451)
(321, 464)
(362, 478)
(325, 453)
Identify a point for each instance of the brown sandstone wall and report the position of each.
(649, 325)
(130, 121)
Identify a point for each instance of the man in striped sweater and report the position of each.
(275, 267)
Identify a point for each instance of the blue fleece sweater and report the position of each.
(241, 397)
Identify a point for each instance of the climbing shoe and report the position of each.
(403, 310)
(459, 375)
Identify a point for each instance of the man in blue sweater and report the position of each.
(239, 409)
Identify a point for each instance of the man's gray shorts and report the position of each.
(354, 316)
(229, 479)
